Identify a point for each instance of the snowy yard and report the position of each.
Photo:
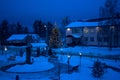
(41, 65)
(95, 51)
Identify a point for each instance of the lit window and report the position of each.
(97, 28)
(112, 27)
(86, 30)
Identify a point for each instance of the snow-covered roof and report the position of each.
(38, 44)
(81, 24)
(21, 36)
(76, 36)
(17, 37)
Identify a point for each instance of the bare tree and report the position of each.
(110, 30)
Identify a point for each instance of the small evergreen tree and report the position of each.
(55, 41)
(98, 69)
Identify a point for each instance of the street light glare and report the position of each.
(80, 53)
(68, 29)
(5, 48)
(68, 56)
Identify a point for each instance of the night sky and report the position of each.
(26, 11)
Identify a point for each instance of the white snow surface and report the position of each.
(96, 51)
(39, 64)
(84, 73)
(17, 37)
(82, 24)
(39, 45)
(21, 36)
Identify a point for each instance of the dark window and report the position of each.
(99, 39)
(76, 30)
(86, 38)
(105, 39)
(91, 39)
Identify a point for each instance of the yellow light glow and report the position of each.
(86, 30)
(97, 28)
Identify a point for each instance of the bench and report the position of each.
(12, 58)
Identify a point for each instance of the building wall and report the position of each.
(90, 36)
(94, 35)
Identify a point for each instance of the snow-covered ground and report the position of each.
(85, 72)
(41, 64)
(96, 51)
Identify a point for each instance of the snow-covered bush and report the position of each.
(98, 69)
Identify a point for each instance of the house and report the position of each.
(87, 33)
(81, 33)
(22, 39)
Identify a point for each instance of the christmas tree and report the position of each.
(55, 40)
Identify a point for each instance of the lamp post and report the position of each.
(46, 38)
(5, 48)
(46, 32)
(68, 62)
(80, 54)
(59, 70)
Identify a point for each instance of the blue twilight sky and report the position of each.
(26, 11)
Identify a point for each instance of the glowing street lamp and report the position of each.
(68, 61)
(5, 49)
(68, 29)
(46, 32)
(80, 54)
